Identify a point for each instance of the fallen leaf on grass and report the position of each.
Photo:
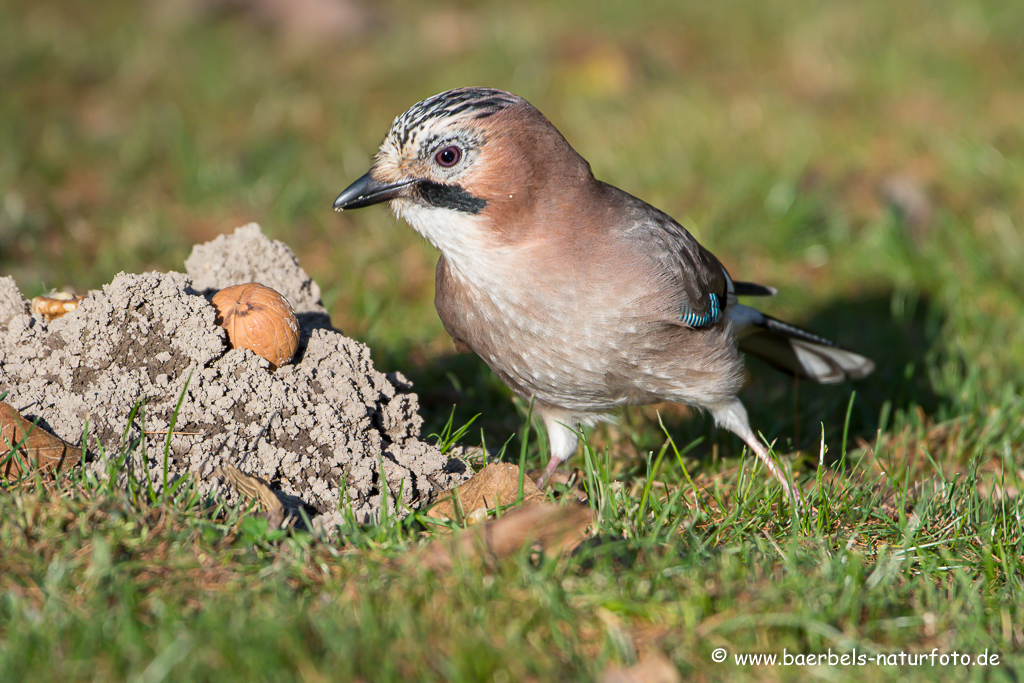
(652, 668)
(37, 449)
(251, 487)
(493, 486)
(554, 527)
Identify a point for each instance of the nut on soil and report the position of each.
(55, 305)
(259, 319)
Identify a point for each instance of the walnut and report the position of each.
(259, 319)
(55, 305)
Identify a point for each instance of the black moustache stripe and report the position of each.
(449, 197)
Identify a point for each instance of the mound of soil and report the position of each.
(318, 430)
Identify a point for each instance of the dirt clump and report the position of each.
(319, 429)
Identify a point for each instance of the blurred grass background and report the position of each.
(866, 158)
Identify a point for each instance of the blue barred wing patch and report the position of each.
(696, 320)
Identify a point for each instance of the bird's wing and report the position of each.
(690, 275)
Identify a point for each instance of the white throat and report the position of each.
(464, 240)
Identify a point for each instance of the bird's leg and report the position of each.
(733, 416)
(762, 453)
(562, 443)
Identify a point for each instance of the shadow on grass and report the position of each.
(901, 343)
(459, 387)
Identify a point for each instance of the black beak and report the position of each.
(366, 191)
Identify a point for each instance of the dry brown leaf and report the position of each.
(497, 484)
(41, 451)
(253, 487)
(554, 527)
(653, 667)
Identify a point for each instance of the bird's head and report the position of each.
(467, 164)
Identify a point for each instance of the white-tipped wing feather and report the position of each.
(795, 350)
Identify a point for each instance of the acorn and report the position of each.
(259, 319)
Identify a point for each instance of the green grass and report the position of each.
(773, 131)
(106, 584)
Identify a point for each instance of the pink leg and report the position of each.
(791, 491)
(562, 443)
(733, 416)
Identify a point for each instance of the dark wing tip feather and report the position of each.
(752, 289)
(787, 330)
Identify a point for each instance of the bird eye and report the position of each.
(449, 156)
